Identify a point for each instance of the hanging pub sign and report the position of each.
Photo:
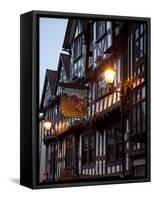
(74, 103)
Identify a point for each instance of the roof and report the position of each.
(70, 31)
(69, 34)
(51, 75)
(64, 60)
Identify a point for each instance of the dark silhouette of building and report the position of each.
(110, 140)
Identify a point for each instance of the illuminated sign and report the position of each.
(74, 103)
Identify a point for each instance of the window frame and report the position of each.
(77, 43)
(137, 100)
(100, 91)
(103, 32)
(69, 152)
(140, 35)
(116, 141)
(89, 162)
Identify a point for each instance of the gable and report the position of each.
(48, 88)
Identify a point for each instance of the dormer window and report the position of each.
(77, 47)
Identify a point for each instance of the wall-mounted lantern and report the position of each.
(47, 125)
(109, 75)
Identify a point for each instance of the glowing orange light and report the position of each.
(109, 75)
(47, 125)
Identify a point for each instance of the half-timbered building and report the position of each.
(109, 141)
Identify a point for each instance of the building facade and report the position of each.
(110, 140)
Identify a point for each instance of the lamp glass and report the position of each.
(109, 75)
(47, 125)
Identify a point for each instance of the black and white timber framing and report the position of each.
(103, 144)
